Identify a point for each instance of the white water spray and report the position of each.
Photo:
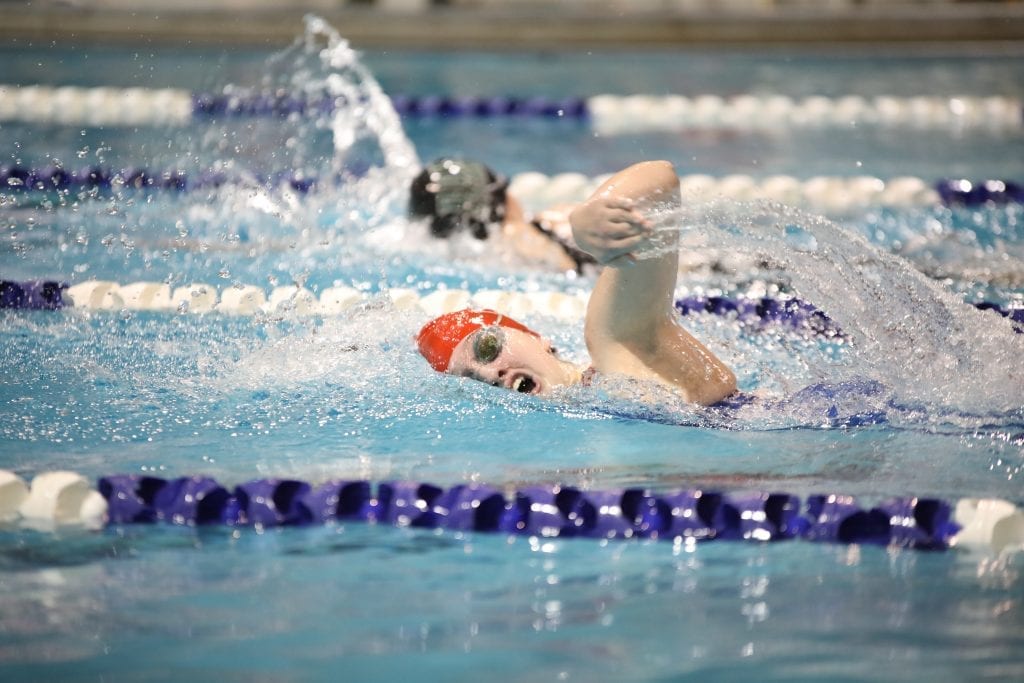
(365, 111)
(905, 329)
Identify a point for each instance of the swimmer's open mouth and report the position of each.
(524, 384)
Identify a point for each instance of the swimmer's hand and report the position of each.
(609, 227)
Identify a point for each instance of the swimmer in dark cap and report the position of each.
(460, 195)
(631, 326)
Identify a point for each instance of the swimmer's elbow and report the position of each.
(658, 167)
(657, 177)
(730, 378)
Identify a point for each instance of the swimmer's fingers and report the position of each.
(621, 229)
(614, 249)
(631, 217)
(624, 204)
(600, 226)
(623, 223)
(608, 235)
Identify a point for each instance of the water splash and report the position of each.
(978, 250)
(904, 329)
(343, 136)
(367, 112)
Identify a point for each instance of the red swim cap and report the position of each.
(438, 338)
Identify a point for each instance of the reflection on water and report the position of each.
(396, 603)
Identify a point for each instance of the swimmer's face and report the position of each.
(518, 361)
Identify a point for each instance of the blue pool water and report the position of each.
(241, 398)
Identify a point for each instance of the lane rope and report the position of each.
(551, 511)
(606, 114)
(292, 300)
(613, 115)
(833, 194)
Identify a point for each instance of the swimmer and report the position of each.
(631, 327)
(460, 195)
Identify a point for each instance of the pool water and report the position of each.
(315, 399)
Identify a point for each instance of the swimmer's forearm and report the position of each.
(631, 299)
(631, 325)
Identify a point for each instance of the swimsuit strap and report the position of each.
(579, 257)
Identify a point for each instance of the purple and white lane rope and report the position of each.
(16, 180)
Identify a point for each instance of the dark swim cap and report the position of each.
(458, 194)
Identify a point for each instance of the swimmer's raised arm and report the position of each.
(632, 327)
(608, 225)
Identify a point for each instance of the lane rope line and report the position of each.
(607, 114)
(832, 194)
(292, 300)
(683, 516)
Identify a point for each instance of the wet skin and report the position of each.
(512, 359)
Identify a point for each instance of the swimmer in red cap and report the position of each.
(493, 348)
(631, 326)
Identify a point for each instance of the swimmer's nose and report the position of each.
(492, 375)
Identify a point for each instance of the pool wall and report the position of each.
(523, 25)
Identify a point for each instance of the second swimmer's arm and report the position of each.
(632, 327)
